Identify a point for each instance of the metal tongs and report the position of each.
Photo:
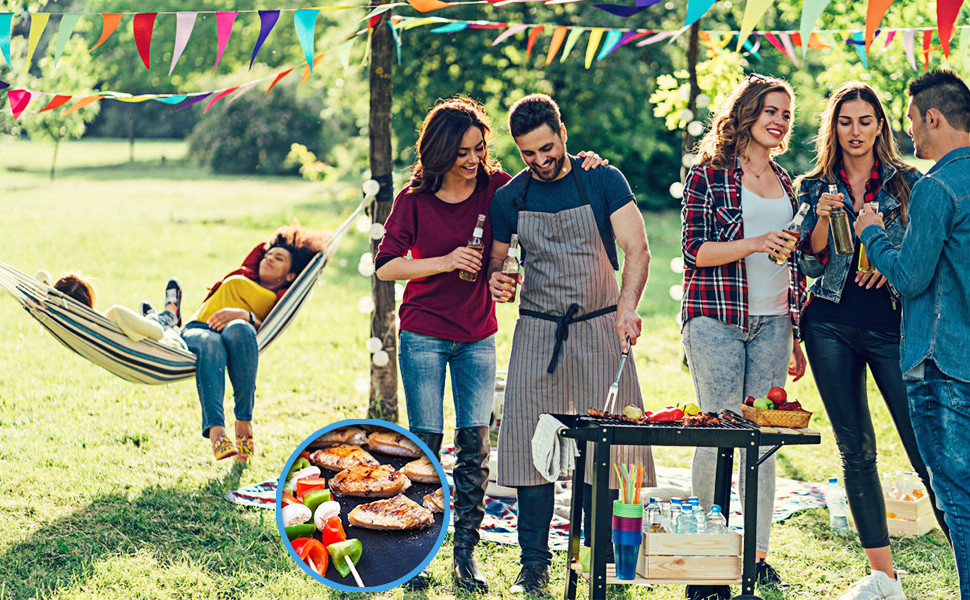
(610, 405)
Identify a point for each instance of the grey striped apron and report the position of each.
(567, 273)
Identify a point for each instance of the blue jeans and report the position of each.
(940, 409)
(726, 365)
(423, 362)
(233, 349)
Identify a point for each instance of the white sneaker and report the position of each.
(877, 586)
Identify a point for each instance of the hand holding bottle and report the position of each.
(463, 258)
(778, 245)
(866, 218)
(502, 286)
(827, 203)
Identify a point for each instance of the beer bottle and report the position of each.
(864, 265)
(475, 243)
(794, 227)
(511, 265)
(841, 231)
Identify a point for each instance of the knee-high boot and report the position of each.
(422, 580)
(471, 479)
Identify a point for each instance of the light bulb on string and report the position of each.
(695, 128)
(374, 344)
(687, 160)
(702, 100)
(676, 292)
(376, 231)
(677, 189)
(686, 115)
(362, 224)
(362, 385)
(365, 269)
(677, 264)
(380, 358)
(366, 305)
(371, 187)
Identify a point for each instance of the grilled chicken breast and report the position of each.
(435, 502)
(421, 470)
(369, 482)
(394, 443)
(397, 513)
(345, 435)
(343, 456)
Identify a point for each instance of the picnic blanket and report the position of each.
(501, 514)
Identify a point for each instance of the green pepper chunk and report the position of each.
(315, 499)
(297, 531)
(298, 464)
(352, 548)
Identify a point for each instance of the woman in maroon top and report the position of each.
(448, 322)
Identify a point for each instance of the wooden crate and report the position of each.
(912, 518)
(690, 558)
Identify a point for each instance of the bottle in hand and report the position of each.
(864, 265)
(510, 266)
(475, 243)
(794, 229)
(839, 225)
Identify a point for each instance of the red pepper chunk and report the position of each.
(305, 454)
(313, 553)
(668, 414)
(289, 499)
(333, 532)
(308, 484)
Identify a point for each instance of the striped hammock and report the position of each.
(99, 339)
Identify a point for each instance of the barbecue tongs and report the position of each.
(610, 405)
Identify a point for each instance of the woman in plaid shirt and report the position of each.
(739, 309)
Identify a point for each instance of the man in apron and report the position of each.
(574, 320)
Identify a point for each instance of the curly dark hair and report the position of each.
(301, 243)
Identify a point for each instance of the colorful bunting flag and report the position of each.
(753, 11)
(343, 53)
(533, 36)
(172, 100)
(512, 30)
(610, 43)
(574, 35)
(64, 31)
(142, 26)
(558, 35)
(242, 90)
(81, 104)
(623, 10)
(6, 24)
(451, 27)
(908, 39)
(305, 19)
(946, 15)
(277, 80)
(657, 37)
(109, 22)
(428, 5)
(626, 38)
(267, 21)
(927, 43)
(306, 68)
(594, 41)
(860, 46)
(219, 97)
(19, 99)
(38, 23)
(56, 102)
(192, 101)
(224, 21)
(875, 11)
(811, 11)
(184, 23)
(697, 9)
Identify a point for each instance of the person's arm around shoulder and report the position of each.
(631, 235)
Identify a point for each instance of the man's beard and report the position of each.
(557, 164)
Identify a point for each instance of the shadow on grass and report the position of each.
(175, 527)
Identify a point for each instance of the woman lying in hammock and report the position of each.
(222, 332)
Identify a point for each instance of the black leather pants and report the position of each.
(839, 355)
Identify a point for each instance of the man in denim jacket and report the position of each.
(932, 272)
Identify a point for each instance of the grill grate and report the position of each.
(724, 425)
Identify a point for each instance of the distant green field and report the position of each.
(107, 489)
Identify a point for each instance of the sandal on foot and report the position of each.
(173, 295)
(223, 448)
(245, 448)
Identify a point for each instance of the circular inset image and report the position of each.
(364, 507)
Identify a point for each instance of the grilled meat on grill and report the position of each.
(345, 435)
(702, 420)
(392, 442)
(435, 502)
(343, 456)
(421, 470)
(397, 513)
(369, 482)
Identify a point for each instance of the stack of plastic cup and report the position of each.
(627, 535)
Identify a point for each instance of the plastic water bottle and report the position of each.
(651, 517)
(716, 523)
(835, 499)
(698, 514)
(686, 523)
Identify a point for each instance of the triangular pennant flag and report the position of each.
(785, 38)
(623, 10)
(653, 39)
(38, 23)
(281, 75)
(533, 36)
(628, 37)
(594, 41)
(306, 68)
(267, 20)
(610, 43)
(136, 99)
(81, 104)
(170, 99)
(875, 11)
(4, 85)
(574, 35)
(946, 15)
(224, 21)
(889, 40)
(774, 41)
(927, 43)
(109, 24)
(558, 35)
(453, 27)
(64, 31)
(697, 9)
(428, 5)
(184, 23)
(343, 53)
(753, 11)
(512, 30)
(219, 97)
(192, 101)
(305, 19)
(56, 102)
(908, 39)
(19, 99)
(859, 38)
(397, 40)
(815, 41)
(142, 26)
(752, 49)
(242, 90)
(6, 23)
(811, 11)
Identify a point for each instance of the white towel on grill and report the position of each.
(552, 455)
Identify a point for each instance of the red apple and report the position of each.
(749, 400)
(777, 395)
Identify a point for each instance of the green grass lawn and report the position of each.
(107, 489)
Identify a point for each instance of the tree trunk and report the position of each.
(689, 140)
(383, 380)
(57, 142)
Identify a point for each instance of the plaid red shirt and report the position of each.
(712, 213)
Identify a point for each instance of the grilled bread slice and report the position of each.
(435, 502)
(422, 471)
(397, 513)
(343, 456)
(369, 482)
(394, 443)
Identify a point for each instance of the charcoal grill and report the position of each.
(602, 433)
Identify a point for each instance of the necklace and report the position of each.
(757, 176)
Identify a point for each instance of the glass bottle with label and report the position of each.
(864, 265)
(795, 228)
(841, 230)
(511, 265)
(475, 243)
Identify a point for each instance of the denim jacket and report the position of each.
(832, 270)
(932, 269)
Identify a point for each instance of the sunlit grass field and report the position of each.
(108, 490)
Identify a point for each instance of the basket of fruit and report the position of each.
(775, 410)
